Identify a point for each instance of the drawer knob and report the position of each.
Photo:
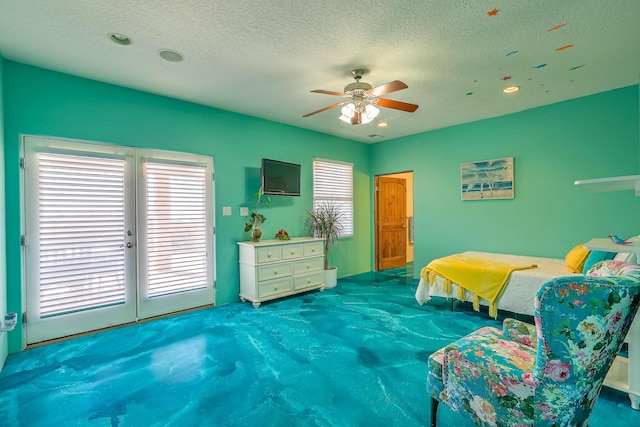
(293, 252)
(308, 266)
(275, 272)
(269, 255)
(275, 288)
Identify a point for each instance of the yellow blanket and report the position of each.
(484, 277)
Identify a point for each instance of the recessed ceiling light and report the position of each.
(511, 89)
(120, 39)
(383, 124)
(171, 55)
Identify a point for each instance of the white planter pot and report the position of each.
(331, 277)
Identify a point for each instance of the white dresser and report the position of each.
(272, 269)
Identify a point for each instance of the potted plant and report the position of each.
(325, 221)
(256, 218)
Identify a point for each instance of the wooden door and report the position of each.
(391, 223)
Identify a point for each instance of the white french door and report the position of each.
(113, 234)
(175, 222)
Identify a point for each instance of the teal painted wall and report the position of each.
(3, 254)
(43, 102)
(591, 137)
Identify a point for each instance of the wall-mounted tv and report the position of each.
(280, 178)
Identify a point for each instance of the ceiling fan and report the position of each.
(361, 108)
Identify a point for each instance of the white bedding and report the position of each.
(521, 288)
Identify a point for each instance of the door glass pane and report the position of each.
(81, 229)
(176, 228)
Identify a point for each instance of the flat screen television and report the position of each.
(280, 178)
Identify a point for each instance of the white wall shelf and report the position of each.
(616, 183)
(602, 244)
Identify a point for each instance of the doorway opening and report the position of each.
(393, 219)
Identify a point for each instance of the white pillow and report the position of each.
(625, 257)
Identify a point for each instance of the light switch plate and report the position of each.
(244, 211)
(226, 211)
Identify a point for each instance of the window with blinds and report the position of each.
(81, 229)
(333, 182)
(176, 228)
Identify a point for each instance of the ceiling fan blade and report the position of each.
(397, 105)
(324, 109)
(356, 119)
(328, 92)
(386, 88)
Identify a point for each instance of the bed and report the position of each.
(521, 287)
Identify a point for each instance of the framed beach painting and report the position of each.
(487, 179)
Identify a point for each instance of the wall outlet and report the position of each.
(226, 211)
(9, 321)
(244, 211)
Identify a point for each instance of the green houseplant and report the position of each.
(325, 221)
(256, 218)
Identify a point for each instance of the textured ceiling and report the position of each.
(262, 58)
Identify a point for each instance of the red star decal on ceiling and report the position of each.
(493, 12)
(505, 78)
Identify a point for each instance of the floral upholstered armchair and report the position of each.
(549, 374)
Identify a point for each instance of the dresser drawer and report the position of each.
(273, 271)
(309, 280)
(268, 254)
(291, 252)
(314, 248)
(308, 265)
(273, 287)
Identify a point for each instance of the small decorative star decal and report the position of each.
(564, 47)
(493, 12)
(556, 27)
(505, 78)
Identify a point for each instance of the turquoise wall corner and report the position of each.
(4, 348)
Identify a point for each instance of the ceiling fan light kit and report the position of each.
(361, 108)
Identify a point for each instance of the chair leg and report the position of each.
(434, 411)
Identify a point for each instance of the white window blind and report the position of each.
(176, 228)
(333, 182)
(81, 229)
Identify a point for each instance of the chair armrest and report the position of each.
(522, 332)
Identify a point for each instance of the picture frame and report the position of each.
(487, 179)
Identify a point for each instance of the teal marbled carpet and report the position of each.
(354, 355)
